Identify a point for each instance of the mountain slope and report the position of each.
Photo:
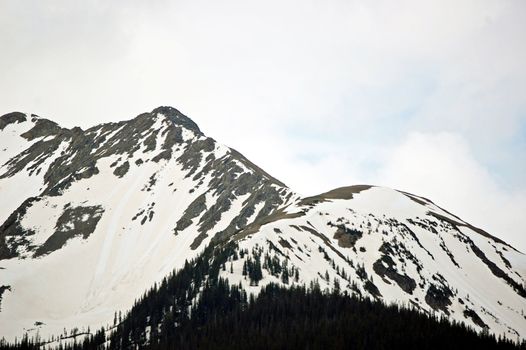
(91, 219)
(391, 246)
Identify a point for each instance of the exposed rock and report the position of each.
(385, 267)
(74, 222)
(177, 118)
(456, 223)
(497, 271)
(37, 153)
(191, 158)
(284, 243)
(475, 318)
(347, 237)
(12, 228)
(42, 128)
(339, 193)
(83, 150)
(372, 289)
(439, 297)
(2, 290)
(10, 118)
(122, 169)
(194, 210)
(150, 142)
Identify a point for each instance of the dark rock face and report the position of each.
(347, 237)
(10, 118)
(42, 128)
(2, 290)
(193, 211)
(439, 297)
(338, 193)
(372, 289)
(229, 182)
(36, 154)
(78, 221)
(475, 318)
(177, 118)
(122, 169)
(386, 268)
(78, 161)
(12, 234)
(77, 153)
(124, 138)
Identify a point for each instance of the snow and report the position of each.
(11, 143)
(257, 209)
(86, 281)
(476, 285)
(41, 218)
(22, 185)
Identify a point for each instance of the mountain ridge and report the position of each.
(92, 192)
(138, 198)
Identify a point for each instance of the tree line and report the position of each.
(194, 308)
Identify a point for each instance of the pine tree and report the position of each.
(285, 276)
(245, 268)
(336, 285)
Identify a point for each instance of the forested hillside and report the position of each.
(225, 316)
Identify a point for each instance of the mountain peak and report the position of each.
(177, 117)
(137, 199)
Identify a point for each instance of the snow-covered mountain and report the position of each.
(392, 246)
(90, 219)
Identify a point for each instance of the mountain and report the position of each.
(391, 246)
(91, 219)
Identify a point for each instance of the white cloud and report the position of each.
(319, 93)
(442, 168)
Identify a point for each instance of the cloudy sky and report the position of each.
(423, 96)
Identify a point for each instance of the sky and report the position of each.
(423, 96)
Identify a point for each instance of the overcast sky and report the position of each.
(423, 96)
